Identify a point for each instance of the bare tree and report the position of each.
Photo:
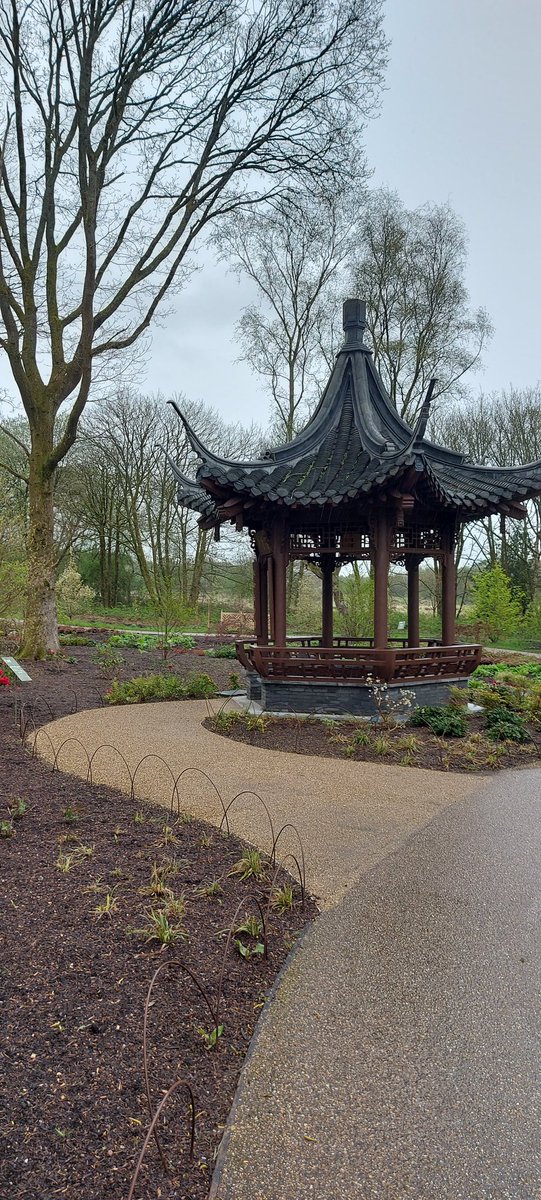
(129, 495)
(410, 269)
(132, 125)
(293, 253)
(502, 429)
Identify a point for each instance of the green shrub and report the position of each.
(108, 659)
(500, 695)
(160, 687)
(505, 726)
(226, 651)
(442, 721)
(152, 641)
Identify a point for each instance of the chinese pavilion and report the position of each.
(357, 484)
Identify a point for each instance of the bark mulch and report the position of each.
(73, 981)
(403, 746)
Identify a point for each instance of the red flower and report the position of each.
(4, 680)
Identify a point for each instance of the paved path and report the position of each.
(400, 1056)
(350, 815)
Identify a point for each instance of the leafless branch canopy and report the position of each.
(130, 126)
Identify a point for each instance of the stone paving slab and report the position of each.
(349, 814)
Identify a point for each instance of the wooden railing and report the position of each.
(357, 663)
(305, 639)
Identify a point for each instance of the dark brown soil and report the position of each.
(73, 1110)
(335, 739)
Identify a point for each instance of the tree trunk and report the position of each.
(40, 627)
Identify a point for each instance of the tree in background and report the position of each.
(410, 268)
(494, 604)
(130, 127)
(499, 430)
(293, 254)
(73, 594)
(128, 494)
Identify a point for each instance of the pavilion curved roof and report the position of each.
(354, 444)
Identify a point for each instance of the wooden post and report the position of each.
(412, 565)
(264, 600)
(279, 557)
(327, 568)
(448, 586)
(381, 578)
(256, 572)
(270, 593)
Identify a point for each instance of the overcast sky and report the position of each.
(459, 123)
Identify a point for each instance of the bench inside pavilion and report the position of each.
(357, 484)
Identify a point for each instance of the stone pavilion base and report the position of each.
(340, 699)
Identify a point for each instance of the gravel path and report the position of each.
(400, 1056)
(349, 815)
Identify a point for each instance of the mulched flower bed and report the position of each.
(73, 982)
(336, 739)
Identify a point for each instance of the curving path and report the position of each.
(349, 815)
(401, 1054)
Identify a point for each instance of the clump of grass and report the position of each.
(66, 862)
(158, 928)
(381, 745)
(249, 866)
(211, 890)
(283, 899)
(7, 829)
(108, 906)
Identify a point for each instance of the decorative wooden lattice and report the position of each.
(312, 541)
(417, 539)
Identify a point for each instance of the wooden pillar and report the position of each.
(448, 586)
(270, 593)
(381, 578)
(412, 565)
(279, 559)
(261, 601)
(327, 567)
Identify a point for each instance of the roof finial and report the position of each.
(424, 414)
(354, 321)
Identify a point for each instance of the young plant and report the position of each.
(211, 890)
(249, 952)
(255, 724)
(174, 907)
(283, 899)
(169, 837)
(139, 817)
(7, 829)
(249, 866)
(251, 925)
(158, 928)
(108, 660)
(108, 906)
(66, 862)
(17, 809)
(70, 814)
(210, 1037)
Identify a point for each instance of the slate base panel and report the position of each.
(341, 699)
